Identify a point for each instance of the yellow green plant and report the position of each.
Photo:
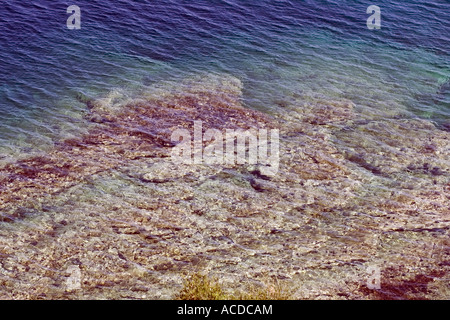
(201, 287)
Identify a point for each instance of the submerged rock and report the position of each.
(352, 192)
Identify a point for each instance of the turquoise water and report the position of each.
(278, 49)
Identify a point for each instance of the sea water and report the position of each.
(277, 48)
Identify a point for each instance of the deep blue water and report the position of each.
(275, 47)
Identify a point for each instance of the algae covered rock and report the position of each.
(108, 214)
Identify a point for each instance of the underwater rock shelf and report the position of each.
(353, 191)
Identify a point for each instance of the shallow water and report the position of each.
(364, 168)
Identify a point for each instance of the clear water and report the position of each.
(277, 48)
(280, 50)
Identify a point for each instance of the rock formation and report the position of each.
(353, 191)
